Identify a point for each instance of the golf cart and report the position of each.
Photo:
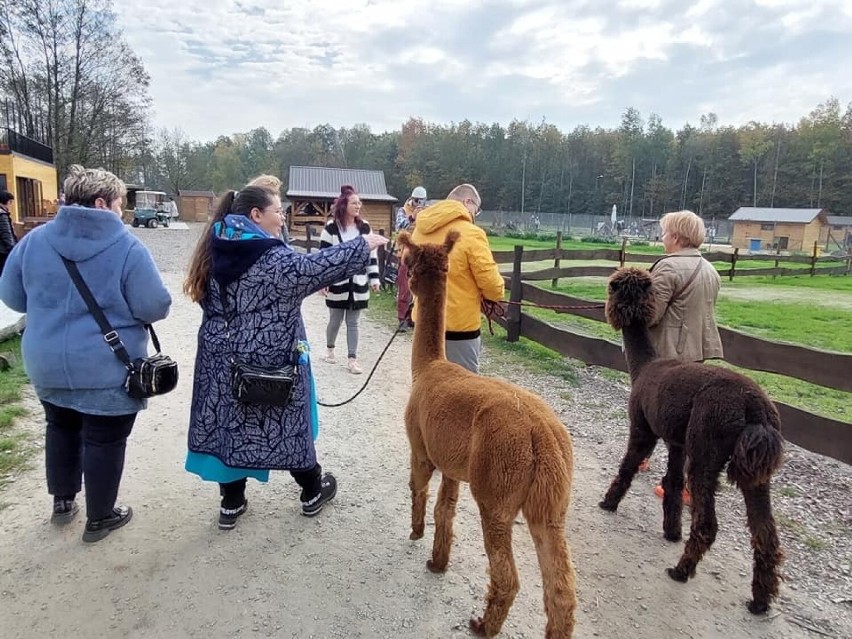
(150, 209)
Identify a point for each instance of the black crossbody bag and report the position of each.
(255, 384)
(146, 376)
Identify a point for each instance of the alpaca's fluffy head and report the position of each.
(630, 298)
(426, 262)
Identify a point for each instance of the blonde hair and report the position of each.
(83, 186)
(268, 182)
(465, 192)
(688, 227)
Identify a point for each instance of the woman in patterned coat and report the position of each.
(250, 286)
(348, 297)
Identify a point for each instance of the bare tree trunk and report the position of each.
(754, 196)
(685, 182)
(632, 183)
(775, 174)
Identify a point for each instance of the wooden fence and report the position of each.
(819, 434)
(833, 370)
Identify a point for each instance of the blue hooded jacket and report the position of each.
(62, 347)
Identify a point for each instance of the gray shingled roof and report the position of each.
(751, 214)
(324, 182)
(839, 220)
(182, 193)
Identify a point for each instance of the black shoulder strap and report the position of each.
(110, 335)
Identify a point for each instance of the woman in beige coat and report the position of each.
(685, 287)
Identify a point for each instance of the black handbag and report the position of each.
(264, 385)
(256, 384)
(146, 376)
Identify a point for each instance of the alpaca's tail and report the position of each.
(759, 450)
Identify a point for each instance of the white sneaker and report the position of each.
(353, 367)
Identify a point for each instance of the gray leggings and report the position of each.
(335, 319)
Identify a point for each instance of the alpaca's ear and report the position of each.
(404, 238)
(450, 240)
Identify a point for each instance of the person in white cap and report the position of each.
(405, 218)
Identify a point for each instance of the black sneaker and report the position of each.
(228, 516)
(403, 326)
(64, 512)
(328, 489)
(100, 528)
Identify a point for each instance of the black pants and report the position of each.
(234, 493)
(79, 445)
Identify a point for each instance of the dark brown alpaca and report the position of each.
(502, 440)
(708, 417)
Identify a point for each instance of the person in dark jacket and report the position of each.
(78, 379)
(250, 286)
(8, 239)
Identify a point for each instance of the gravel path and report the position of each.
(352, 572)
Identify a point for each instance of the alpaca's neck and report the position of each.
(638, 347)
(429, 329)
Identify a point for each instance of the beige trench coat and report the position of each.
(686, 328)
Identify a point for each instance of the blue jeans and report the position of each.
(79, 445)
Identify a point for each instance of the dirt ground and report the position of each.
(352, 572)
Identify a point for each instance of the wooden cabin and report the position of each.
(312, 190)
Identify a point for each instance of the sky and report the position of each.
(223, 66)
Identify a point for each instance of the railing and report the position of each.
(13, 142)
(816, 433)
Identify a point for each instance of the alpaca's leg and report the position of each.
(421, 473)
(702, 482)
(639, 446)
(504, 584)
(673, 495)
(445, 512)
(557, 573)
(767, 549)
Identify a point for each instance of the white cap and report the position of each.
(419, 193)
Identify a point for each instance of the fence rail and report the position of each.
(813, 432)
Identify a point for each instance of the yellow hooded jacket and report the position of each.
(473, 273)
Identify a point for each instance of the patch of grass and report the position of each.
(788, 491)
(533, 356)
(614, 376)
(14, 453)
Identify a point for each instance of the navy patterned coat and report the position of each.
(268, 280)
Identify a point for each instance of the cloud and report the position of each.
(220, 66)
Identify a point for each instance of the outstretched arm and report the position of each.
(303, 275)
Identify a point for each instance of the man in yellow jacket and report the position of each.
(473, 273)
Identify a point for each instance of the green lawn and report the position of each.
(13, 452)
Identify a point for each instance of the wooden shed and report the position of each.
(195, 206)
(760, 229)
(313, 189)
(839, 233)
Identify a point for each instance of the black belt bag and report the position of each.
(264, 385)
(146, 376)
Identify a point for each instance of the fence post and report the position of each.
(622, 256)
(814, 259)
(516, 294)
(382, 255)
(777, 253)
(308, 239)
(556, 262)
(848, 260)
(734, 256)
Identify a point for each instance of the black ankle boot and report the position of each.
(97, 529)
(313, 505)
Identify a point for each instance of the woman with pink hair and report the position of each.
(346, 299)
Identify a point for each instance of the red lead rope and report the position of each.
(492, 309)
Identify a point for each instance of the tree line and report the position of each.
(73, 80)
(643, 167)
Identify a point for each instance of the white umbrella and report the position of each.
(614, 215)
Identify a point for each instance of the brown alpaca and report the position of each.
(708, 417)
(502, 440)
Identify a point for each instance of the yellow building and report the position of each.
(27, 171)
(759, 229)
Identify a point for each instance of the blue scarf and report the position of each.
(239, 227)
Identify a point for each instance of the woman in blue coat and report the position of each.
(78, 379)
(251, 286)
